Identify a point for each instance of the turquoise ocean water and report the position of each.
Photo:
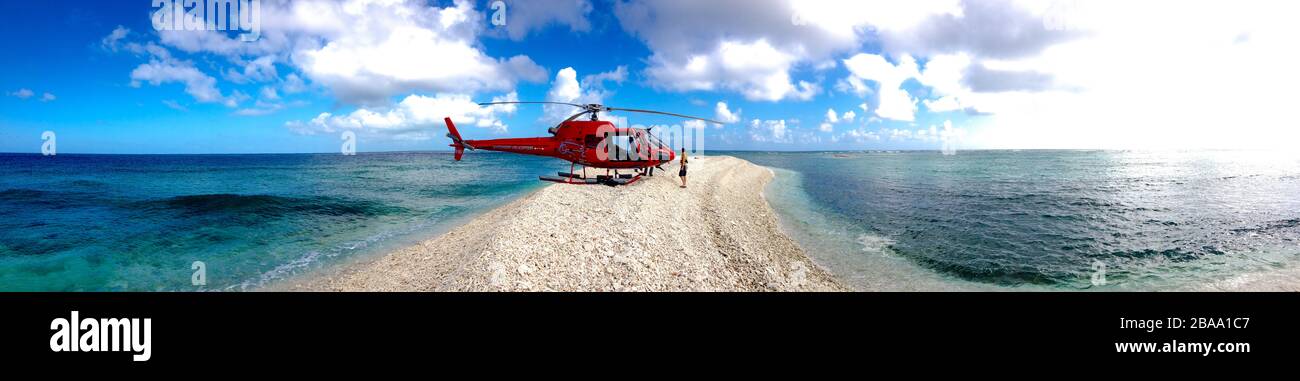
(1041, 220)
(139, 222)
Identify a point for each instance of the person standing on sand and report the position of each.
(682, 172)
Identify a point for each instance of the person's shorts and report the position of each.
(682, 172)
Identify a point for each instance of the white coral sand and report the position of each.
(718, 234)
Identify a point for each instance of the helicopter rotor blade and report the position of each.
(521, 103)
(594, 108)
(662, 113)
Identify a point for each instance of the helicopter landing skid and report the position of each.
(570, 178)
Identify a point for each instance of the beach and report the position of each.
(718, 234)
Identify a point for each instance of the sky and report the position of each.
(121, 77)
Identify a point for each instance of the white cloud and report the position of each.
(774, 131)
(597, 81)
(268, 103)
(368, 51)
(403, 47)
(752, 47)
(754, 69)
(946, 137)
(213, 42)
(22, 93)
(845, 18)
(293, 84)
(723, 114)
(261, 69)
(269, 93)
(417, 117)
(853, 85)
(895, 103)
(998, 29)
(260, 108)
(945, 104)
(47, 97)
(1157, 74)
(962, 84)
(174, 105)
(111, 42)
(524, 17)
(898, 134)
(1044, 77)
(164, 68)
(1205, 66)
(167, 70)
(944, 73)
(833, 118)
(363, 53)
(860, 135)
(566, 88)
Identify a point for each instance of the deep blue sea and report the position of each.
(977, 220)
(139, 222)
(1051, 220)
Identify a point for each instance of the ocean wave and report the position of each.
(1286, 279)
(873, 244)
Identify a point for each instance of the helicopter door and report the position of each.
(645, 145)
(620, 146)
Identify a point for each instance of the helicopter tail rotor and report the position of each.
(456, 141)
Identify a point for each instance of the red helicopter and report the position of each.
(589, 143)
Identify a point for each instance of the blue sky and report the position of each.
(918, 75)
